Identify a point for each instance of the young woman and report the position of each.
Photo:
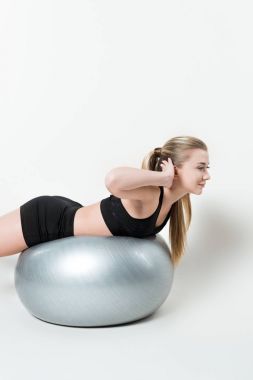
(140, 205)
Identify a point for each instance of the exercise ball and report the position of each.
(94, 280)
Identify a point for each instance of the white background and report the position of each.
(86, 86)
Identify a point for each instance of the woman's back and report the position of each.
(90, 221)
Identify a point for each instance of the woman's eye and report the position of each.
(208, 167)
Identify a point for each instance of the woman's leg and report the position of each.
(11, 235)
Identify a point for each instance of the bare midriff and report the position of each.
(89, 220)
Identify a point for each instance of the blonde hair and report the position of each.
(180, 218)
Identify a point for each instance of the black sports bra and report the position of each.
(120, 223)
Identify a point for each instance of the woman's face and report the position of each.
(194, 171)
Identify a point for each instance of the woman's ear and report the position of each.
(175, 171)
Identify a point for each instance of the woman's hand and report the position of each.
(169, 172)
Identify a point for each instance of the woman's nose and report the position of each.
(206, 176)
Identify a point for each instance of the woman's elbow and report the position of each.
(109, 180)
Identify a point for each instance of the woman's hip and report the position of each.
(47, 217)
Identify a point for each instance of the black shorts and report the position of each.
(47, 217)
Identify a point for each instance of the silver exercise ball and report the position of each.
(94, 280)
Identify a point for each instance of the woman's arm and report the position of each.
(127, 178)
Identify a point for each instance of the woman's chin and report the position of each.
(197, 190)
(200, 188)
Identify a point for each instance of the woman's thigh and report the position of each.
(11, 235)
